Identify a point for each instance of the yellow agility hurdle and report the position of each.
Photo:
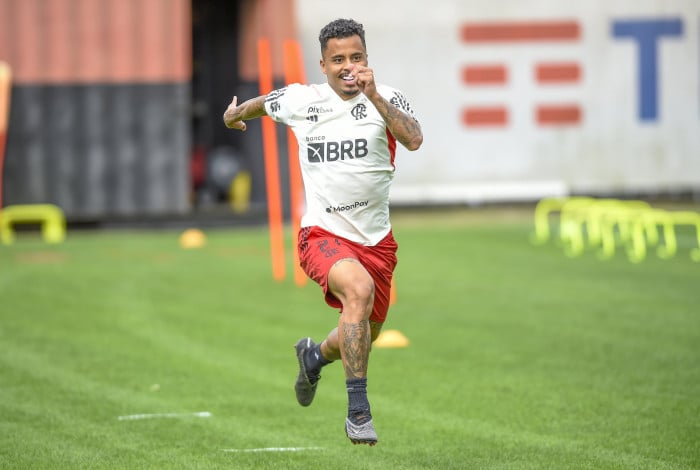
(544, 209)
(671, 222)
(573, 221)
(591, 223)
(645, 233)
(605, 224)
(51, 218)
(616, 220)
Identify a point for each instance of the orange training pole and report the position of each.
(272, 175)
(5, 93)
(294, 73)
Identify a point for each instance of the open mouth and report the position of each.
(347, 78)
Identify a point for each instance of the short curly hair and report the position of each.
(341, 28)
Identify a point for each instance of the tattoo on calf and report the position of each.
(355, 339)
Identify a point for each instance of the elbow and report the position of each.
(414, 143)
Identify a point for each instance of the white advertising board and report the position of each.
(522, 99)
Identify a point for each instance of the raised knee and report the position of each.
(360, 296)
(365, 290)
(350, 282)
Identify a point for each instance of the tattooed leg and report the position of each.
(350, 282)
(355, 344)
(330, 347)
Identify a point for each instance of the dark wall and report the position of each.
(99, 150)
(117, 104)
(224, 39)
(100, 111)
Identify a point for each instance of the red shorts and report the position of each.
(319, 250)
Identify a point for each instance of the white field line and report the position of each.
(198, 414)
(273, 449)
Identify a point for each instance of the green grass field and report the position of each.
(519, 357)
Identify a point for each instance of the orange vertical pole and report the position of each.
(272, 175)
(294, 73)
(5, 93)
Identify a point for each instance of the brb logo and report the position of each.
(319, 152)
(647, 34)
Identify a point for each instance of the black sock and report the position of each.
(314, 360)
(358, 405)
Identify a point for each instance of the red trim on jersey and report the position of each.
(392, 146)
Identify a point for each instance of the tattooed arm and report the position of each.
(251, 109)
(402, 126)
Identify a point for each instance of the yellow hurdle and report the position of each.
(51, 218)
(673, 220)
(605, 224)
(544, 209)
(611, 214)
(573, 225)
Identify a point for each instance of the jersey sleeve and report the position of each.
(276, 105)
(280, 103)
(396, 98)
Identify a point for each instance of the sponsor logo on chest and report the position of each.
(332, 151)
(346, 207)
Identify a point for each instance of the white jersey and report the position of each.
(346, 154)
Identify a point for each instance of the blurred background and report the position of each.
(116, 105)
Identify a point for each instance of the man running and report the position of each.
(347, 131)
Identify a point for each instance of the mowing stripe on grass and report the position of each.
(198, 414)
(273, 449)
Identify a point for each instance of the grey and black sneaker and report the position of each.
(361, 433)
(305, 386)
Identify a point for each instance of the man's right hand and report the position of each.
(232, 118)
